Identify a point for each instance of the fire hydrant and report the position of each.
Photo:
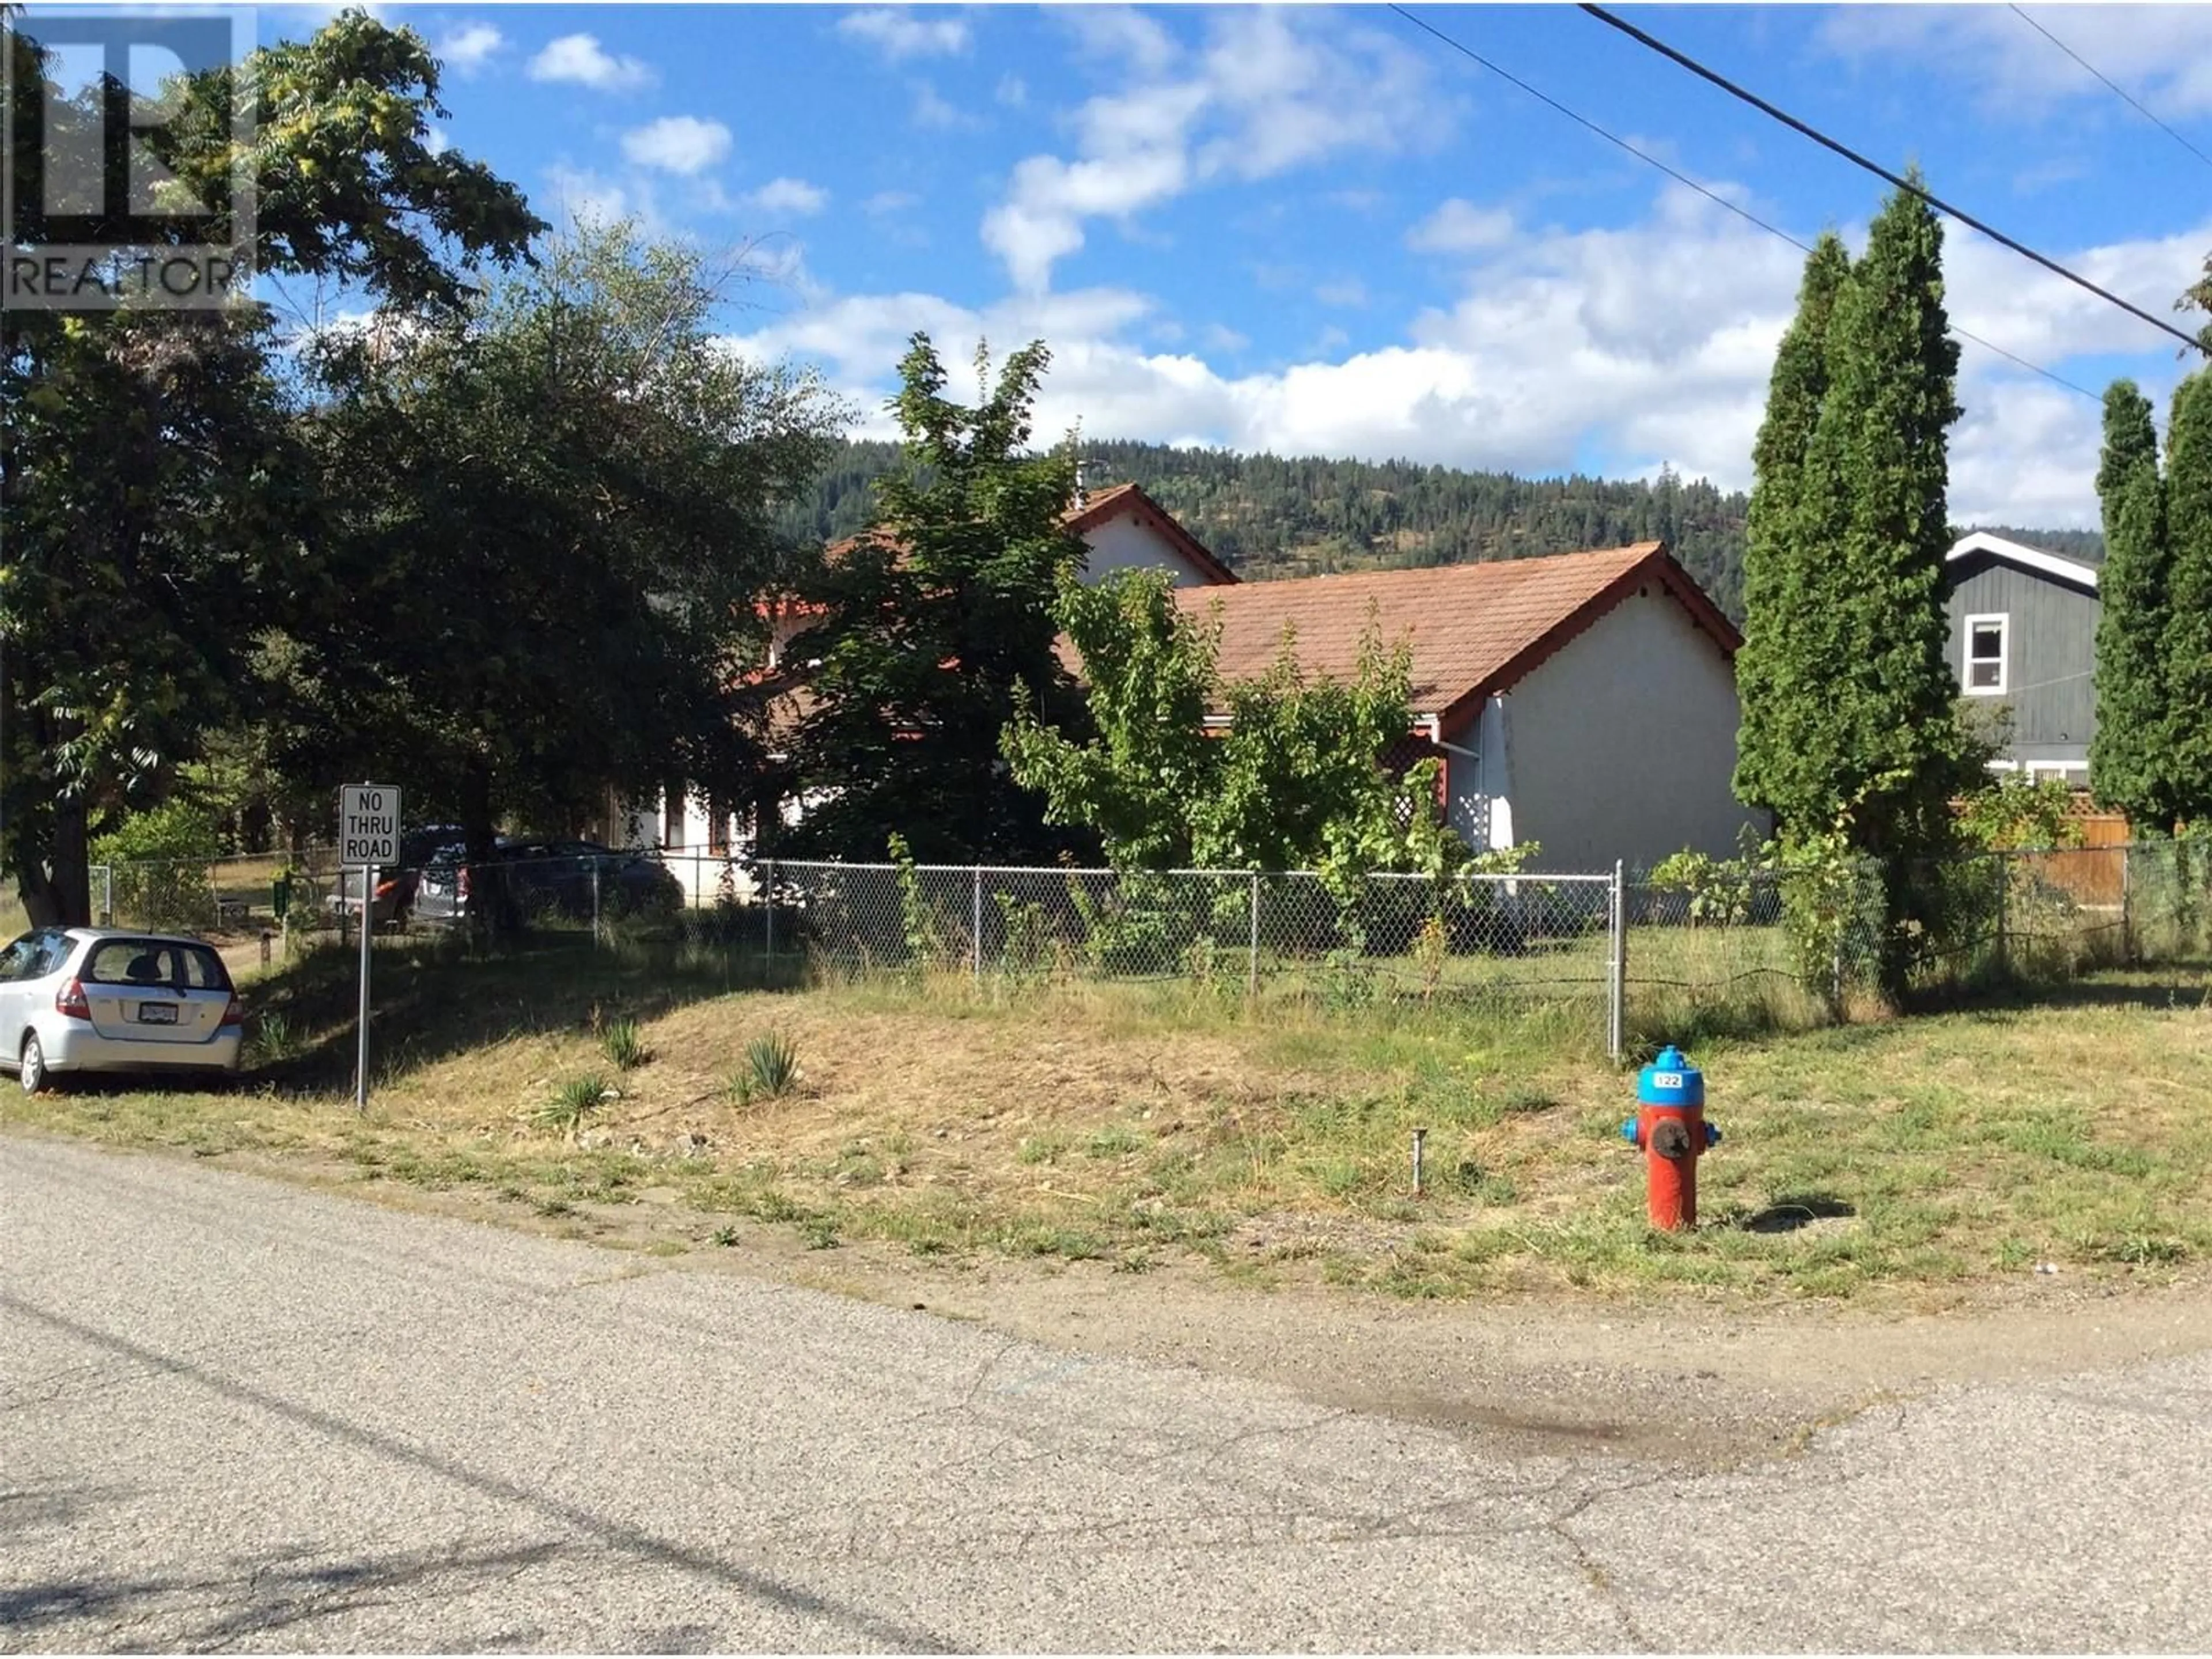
(1671, 1127)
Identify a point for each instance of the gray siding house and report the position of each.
(2024, 633)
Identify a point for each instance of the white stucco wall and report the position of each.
(1622, 745)
(1122, 544)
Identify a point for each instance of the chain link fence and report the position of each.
(1617, 960)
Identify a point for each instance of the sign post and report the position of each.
(368, 836)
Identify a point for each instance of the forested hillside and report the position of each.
(1271, 516)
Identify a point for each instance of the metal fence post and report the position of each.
(1616, 1021)
(768, 893)
(2004, 882)
(976, 928)
(2127, 916)
(595, 903)
(1252, 967)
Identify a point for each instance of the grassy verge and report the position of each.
(612, 1095)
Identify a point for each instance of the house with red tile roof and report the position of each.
(1584, 700)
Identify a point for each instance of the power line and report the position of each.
(1713, 196)
(2114, 85)
(1881, 172)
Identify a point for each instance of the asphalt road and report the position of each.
(234, 1413)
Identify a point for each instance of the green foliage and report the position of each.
(936, 623)
(920, 924)
(622, 1043)
(770, 1071)
(158, 869)
(573, 1103)
(1716, 892)
(1296, 782)
(2186, 730)
(1788, 583)
(559, 517)
(2130, 761)
(2017, 814)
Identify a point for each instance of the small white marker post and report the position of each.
(368, 836)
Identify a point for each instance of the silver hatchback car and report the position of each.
(105, 999)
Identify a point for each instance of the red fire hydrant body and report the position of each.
(1670, 1127)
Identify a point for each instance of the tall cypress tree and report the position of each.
(2186, 730)
(1779, 676)
(2129, 757)
(1886, 741)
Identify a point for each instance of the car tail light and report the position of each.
(461, 887)
(70, 1003)
(386, 889)
(233, 1013)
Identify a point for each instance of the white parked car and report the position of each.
(106, 999)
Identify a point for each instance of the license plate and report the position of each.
(157, 1013)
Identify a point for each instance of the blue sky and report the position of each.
(1318, 230)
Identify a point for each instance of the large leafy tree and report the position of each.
(935, 623)
(1298, 779)
(1790, 602)
(1883, 751)
(547, 534)
(2185, 732)
(2131, 756)
(148, 485)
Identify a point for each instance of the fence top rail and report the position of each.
(1057, 871)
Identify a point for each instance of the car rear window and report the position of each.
(155, 962)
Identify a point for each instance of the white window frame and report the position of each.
(2004, 621)
(2058, 768)
(2005, 766)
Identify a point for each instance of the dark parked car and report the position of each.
(546, 877)
(396, 888)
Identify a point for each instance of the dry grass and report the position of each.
(1144, 1125)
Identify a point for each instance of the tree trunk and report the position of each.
(57, 889)
(491, 909)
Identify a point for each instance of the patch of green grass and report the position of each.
(574, 1102)
(624, 1045)
(1049, 1147)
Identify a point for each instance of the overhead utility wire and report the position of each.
(1881, 172)
(1713, 196)
(2114, 85)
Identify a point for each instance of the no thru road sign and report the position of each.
(368, 824)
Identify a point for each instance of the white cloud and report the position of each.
(2162, 54)
(677, 144)
(1641, 345)
(1119, 38)
(939, 113)
(898, 33)
(1270, 91)
(1013, 92)
(1349, 293)
(437, 141)
(584, 196)
(469, 48)
(889, 201)
(579, 59)
(1460, 226)
(790, 195)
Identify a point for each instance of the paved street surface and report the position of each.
(237, 1414)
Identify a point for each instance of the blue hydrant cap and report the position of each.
(1671, 1080)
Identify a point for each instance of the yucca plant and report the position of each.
(574, 1101)
(622, 1044)
(274, 1039)
(770, 1071)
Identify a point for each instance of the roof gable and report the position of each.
(2023, 556)
(1473, 630)
(1122, 500)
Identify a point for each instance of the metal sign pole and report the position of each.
(367, 927)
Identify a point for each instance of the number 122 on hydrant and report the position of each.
(1670, 1127)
